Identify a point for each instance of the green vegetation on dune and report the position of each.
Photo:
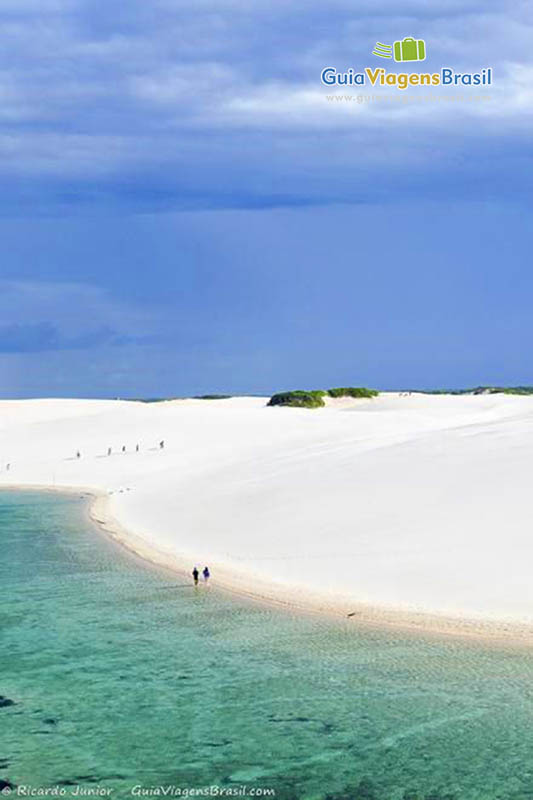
(315, 398)
(212, 396)
(146, 399)
(352, 391)
(506, 390)
(522, 390)
(298, 399)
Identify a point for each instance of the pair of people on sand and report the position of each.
(196, 575)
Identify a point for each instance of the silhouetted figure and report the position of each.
(8, 467)
(195, 575)
(162, 444)
(136, 448)
(123, 448)
(78, 454)
(206, 573)
(108, 451)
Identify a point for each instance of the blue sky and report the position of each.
(184, 212)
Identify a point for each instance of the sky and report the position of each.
(183, 210)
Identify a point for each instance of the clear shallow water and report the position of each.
(124, 676)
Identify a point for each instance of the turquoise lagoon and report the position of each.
(124, 678)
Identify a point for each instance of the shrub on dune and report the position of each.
(352, 391)
(315, 398)
(298, 399)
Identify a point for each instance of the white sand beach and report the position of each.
(402, 503)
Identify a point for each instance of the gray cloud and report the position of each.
(159, 108)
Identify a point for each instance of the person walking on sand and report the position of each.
(136, 448)
(78, 454)
(123, 448)
(162, 444)
(206, 574)
(108, 451)
(195, 575)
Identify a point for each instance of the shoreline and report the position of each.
(380, 618)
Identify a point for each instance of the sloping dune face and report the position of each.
(419, 502)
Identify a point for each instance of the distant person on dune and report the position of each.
(206, 574)
(162, 444)
(123, 448)
(108, 451)
(136, 448)
(78, 454)
(195, 575)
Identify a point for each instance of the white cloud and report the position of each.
(509, 101)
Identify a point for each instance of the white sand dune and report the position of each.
(419, 503)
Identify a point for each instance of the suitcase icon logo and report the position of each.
(410, 49)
